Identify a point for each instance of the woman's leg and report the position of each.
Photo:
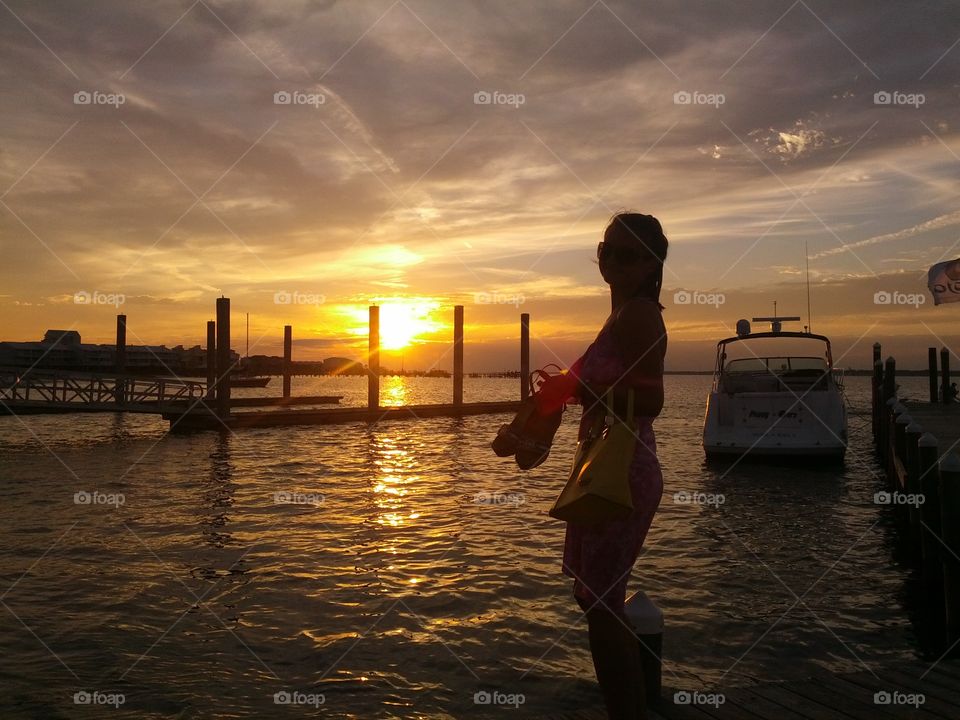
(616, 659)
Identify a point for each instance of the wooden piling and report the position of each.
(931, 549)
(932, 372)
(458, 354)
(900, 447)
(287, 358)
(875, 388)
(120, 359)
(912, 434)
(223, 357)
(373, 359)
(211, 359)
(524, 355)
(945, 375)
(950, 531)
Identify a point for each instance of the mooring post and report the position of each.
(886, 432)
(932, 371)
(120, 360)
(945, 375)
(458, 354)
(888, 393)
(927, 452)
(912, 434)
(373, 359)
(524, 355)
(875, 391)
(646, 623)
(900, 445)
(211, 360)
(223, 357)
(287, 358)
(950, 529)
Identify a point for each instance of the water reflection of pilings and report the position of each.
(218, 492)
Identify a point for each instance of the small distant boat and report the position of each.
(767, 403)
(248, 381)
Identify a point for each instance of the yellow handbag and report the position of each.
(599, 485)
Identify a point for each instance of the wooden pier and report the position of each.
(932, 688)
(916, 444)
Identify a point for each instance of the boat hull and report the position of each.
(776, 425)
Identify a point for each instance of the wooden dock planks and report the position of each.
(848, 696)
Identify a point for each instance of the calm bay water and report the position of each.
(395, 594)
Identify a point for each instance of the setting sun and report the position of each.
(403, 322)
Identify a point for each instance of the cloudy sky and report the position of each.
(309, 158)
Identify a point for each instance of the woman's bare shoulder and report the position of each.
(638, 313)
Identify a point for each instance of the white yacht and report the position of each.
(775, 393)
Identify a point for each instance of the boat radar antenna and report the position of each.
(776, 322)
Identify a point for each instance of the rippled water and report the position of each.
(395, 594)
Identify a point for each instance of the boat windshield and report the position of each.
(777, 365)
(765, 363)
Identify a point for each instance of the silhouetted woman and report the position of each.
(627, 352)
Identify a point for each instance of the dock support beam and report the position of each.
(945, 375)
(223, 357)
(373, 360)
(524, 355)
(458, 354)
(287, 358)
(211, 360)
(120, 361)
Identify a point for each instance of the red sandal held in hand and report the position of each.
(529, 437)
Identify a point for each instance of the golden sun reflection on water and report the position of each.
(396, 478)
(394, 391)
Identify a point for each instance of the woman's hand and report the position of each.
(555, 392)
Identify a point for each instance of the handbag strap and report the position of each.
(608, 403)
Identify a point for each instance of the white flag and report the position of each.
(944, 281)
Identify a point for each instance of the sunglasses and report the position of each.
(625, 255)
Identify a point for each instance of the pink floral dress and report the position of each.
(600, 557)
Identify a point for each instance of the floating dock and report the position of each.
(203, 419)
